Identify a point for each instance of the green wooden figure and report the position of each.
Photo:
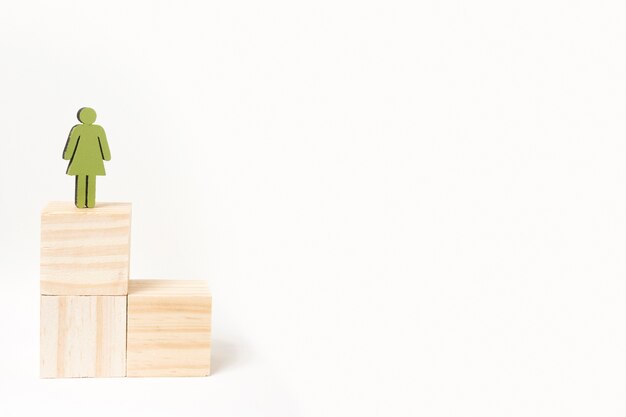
(86, 148)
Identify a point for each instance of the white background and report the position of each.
(402, 208)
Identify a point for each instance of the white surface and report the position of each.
(402, 208)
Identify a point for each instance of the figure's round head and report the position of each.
(87, 115)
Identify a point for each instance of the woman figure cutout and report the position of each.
(86, 148)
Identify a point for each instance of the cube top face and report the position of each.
(169, 328)
(83, 336)
(85, 251)
(163, 287)
(68, 208)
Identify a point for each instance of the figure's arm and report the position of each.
(104, 145)
(70, 145)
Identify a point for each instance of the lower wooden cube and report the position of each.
(169, 328)
(83, 336)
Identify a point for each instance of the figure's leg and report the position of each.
(91, 191)
(81, 183)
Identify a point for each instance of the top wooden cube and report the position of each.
(85, 251)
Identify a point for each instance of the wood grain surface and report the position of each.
(169, 328)
(83, 336)
(85, 251)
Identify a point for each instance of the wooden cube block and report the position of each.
(169, 328)
(83, 336)
(85, 251)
